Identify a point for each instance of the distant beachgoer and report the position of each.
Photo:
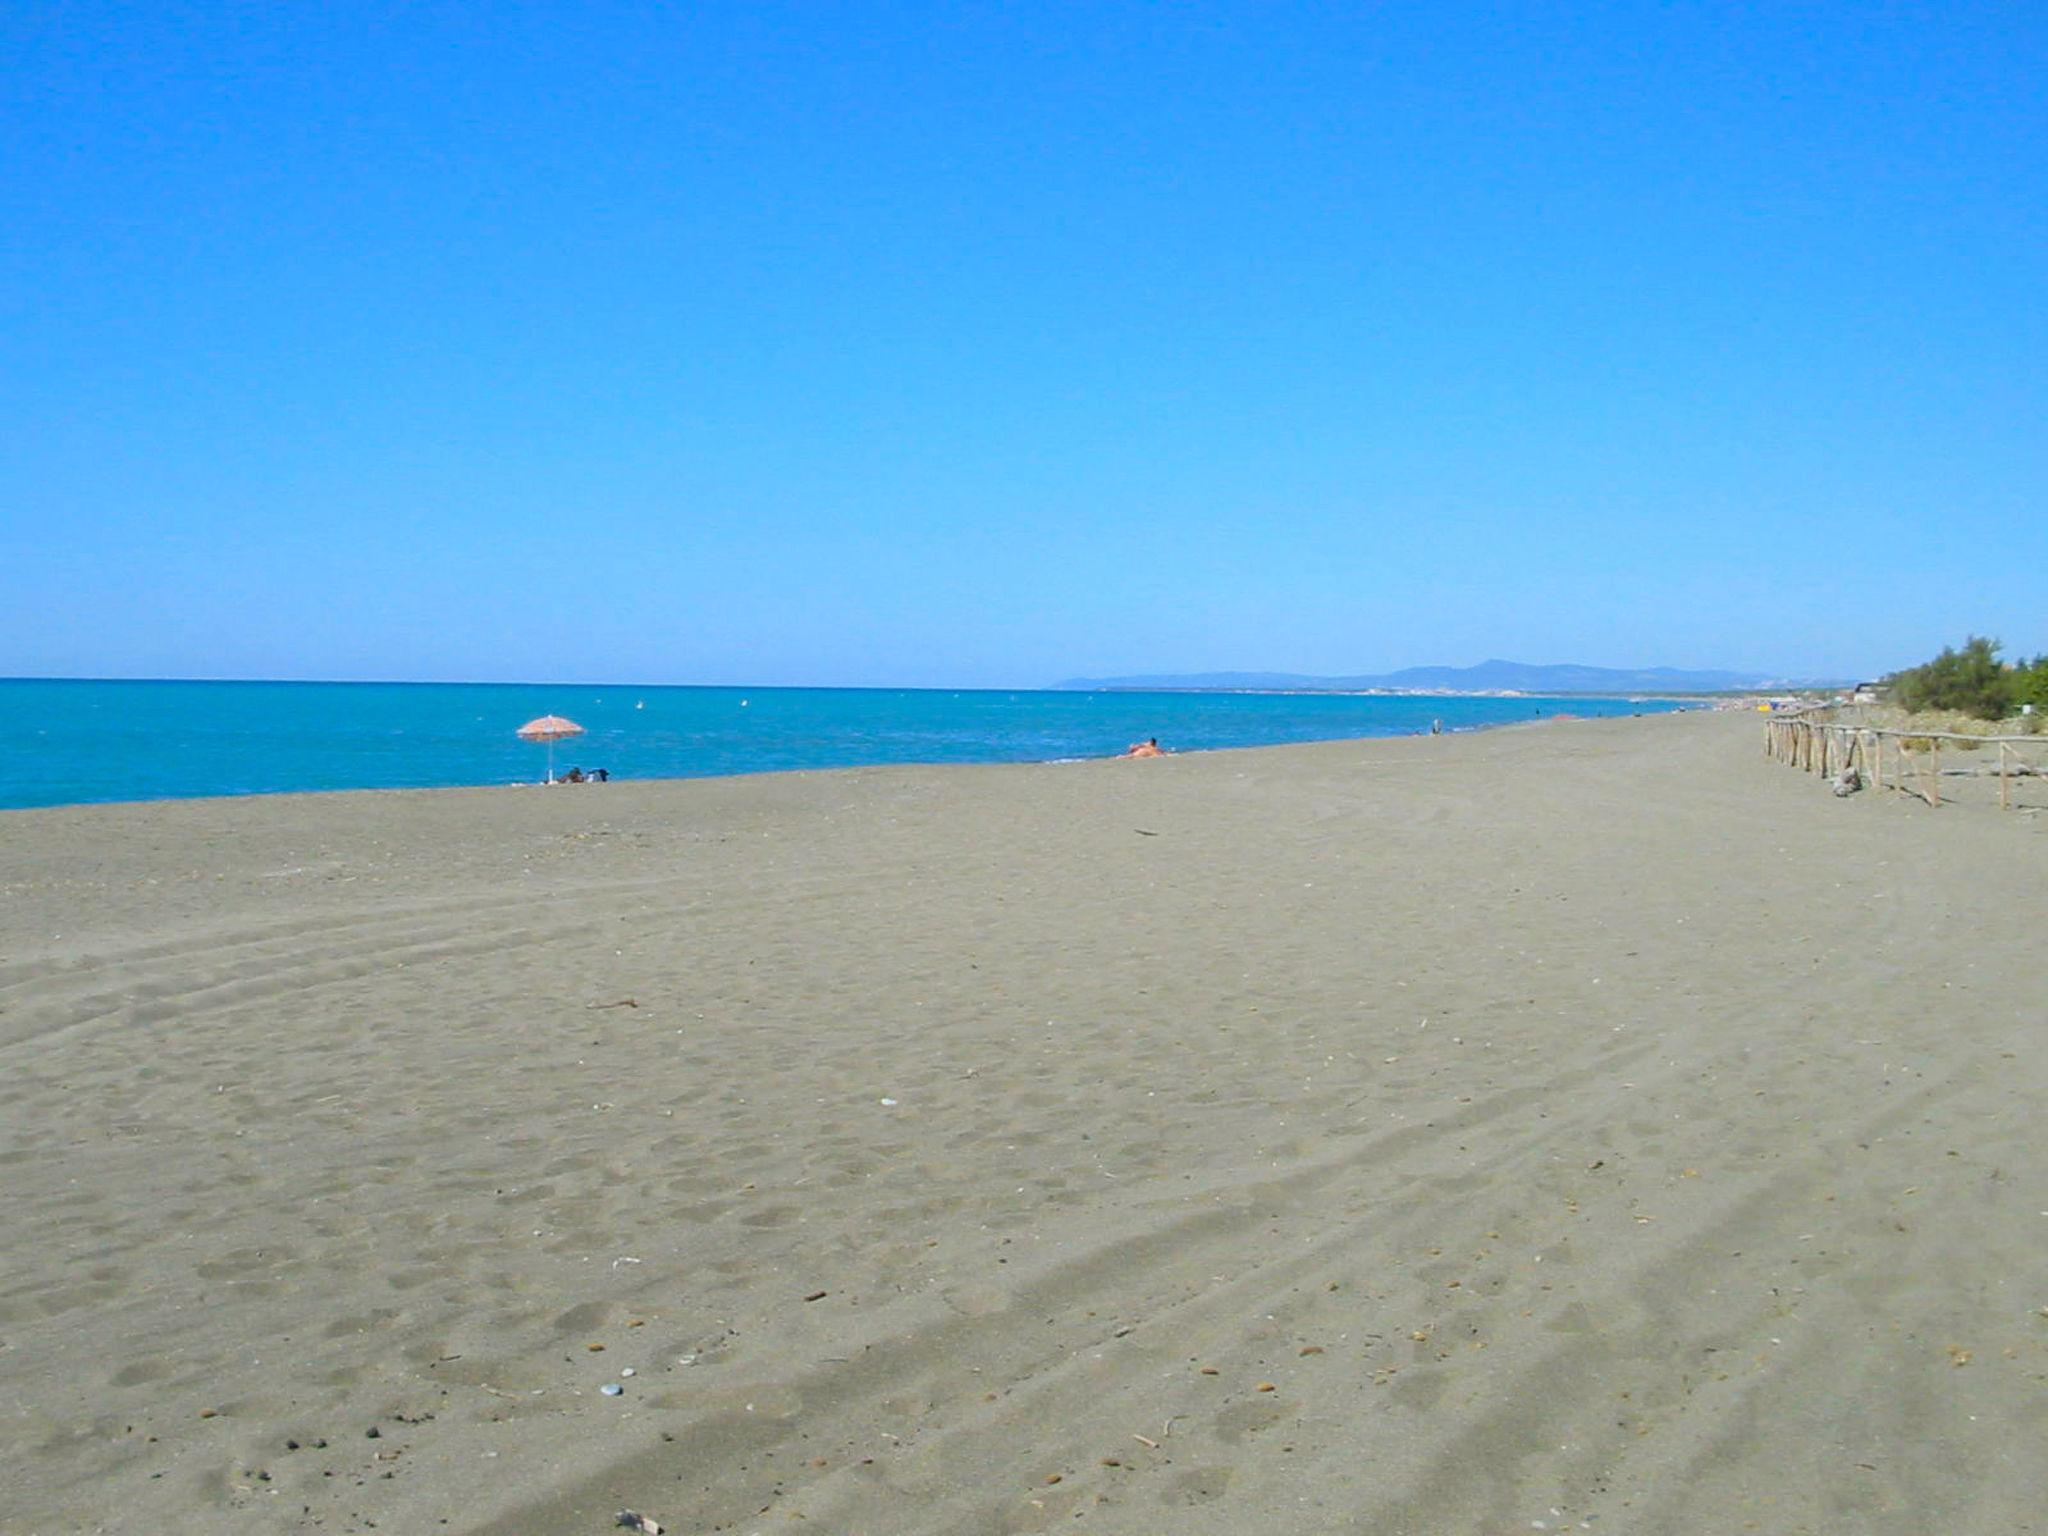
(601, 775)
(1436, 727)
(573, 776)
(1149, 747)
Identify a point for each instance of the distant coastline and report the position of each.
(1630, 695)
(1488, 679)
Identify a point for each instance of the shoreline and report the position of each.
(1559, 718)
(1299, 1139)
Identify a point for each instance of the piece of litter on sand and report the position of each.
(624, 1002)
(633, 1522)
(888, 1103)
(612, 1389)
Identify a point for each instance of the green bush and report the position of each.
(1971, 681)
(2030, 684)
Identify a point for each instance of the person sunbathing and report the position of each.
(1149, 747)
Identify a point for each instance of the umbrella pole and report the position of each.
(551, 760)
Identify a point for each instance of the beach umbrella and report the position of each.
(550, 729)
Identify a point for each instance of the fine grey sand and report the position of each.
(1586, 1126)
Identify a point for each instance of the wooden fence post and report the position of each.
(1829, 748)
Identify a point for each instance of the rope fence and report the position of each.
(1907, 761)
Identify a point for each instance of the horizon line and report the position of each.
(1077, 685)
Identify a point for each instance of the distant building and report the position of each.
(1871, 693)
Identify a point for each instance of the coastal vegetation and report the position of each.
(1972, 681)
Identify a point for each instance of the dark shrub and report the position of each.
(1971, 681)
(2030, 684)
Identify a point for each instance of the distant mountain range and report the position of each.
(1487, 677)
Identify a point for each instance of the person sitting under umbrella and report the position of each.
(550, 729)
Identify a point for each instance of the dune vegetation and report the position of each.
(1972, 687)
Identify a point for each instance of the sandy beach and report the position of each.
(1585, 1126)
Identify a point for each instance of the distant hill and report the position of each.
(1487, 677)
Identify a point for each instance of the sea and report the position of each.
(78, 742)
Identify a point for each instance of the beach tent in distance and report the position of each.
(550, 729)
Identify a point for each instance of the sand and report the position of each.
(1588, 1126)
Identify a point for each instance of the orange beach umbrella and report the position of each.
(550, 729)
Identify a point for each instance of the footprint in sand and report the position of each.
(1234, 1424)
(1196, 1486)
(583, 1319)
(978, 1300)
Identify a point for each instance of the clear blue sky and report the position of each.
(993, 344)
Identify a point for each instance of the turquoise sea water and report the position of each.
(75, 742)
